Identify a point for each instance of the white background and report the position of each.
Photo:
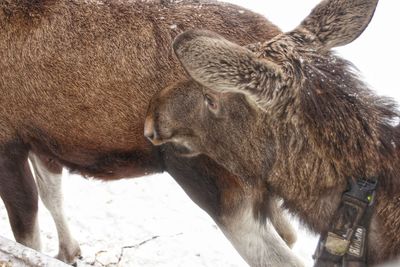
(107, 216)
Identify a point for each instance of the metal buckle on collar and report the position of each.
(336, 244)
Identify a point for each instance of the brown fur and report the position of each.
(94, 67)
(290, 115)
(20, 182)
(76, 78)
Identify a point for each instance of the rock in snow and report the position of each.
(13, 254)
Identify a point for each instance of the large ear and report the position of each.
(224, 66)
(335, 23)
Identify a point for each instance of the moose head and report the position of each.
(292, 88)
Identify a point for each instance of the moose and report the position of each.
(291, 118)
(76, 78)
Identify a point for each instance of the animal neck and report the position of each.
(336, 121)
(331, 137)
(310, 186)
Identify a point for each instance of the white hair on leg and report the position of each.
(50, 191)
(257, 241)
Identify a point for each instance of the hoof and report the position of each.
(69, 254)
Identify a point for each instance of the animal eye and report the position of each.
(210, 102)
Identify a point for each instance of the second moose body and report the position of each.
(290, 116)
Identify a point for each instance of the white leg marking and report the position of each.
(50, 191)
(258, 242)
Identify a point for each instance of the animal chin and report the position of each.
(183, 148)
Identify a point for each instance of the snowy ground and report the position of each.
(105, 217)
(154, 218)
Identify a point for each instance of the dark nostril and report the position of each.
(150, 136)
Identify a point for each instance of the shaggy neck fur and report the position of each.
(332, 129)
